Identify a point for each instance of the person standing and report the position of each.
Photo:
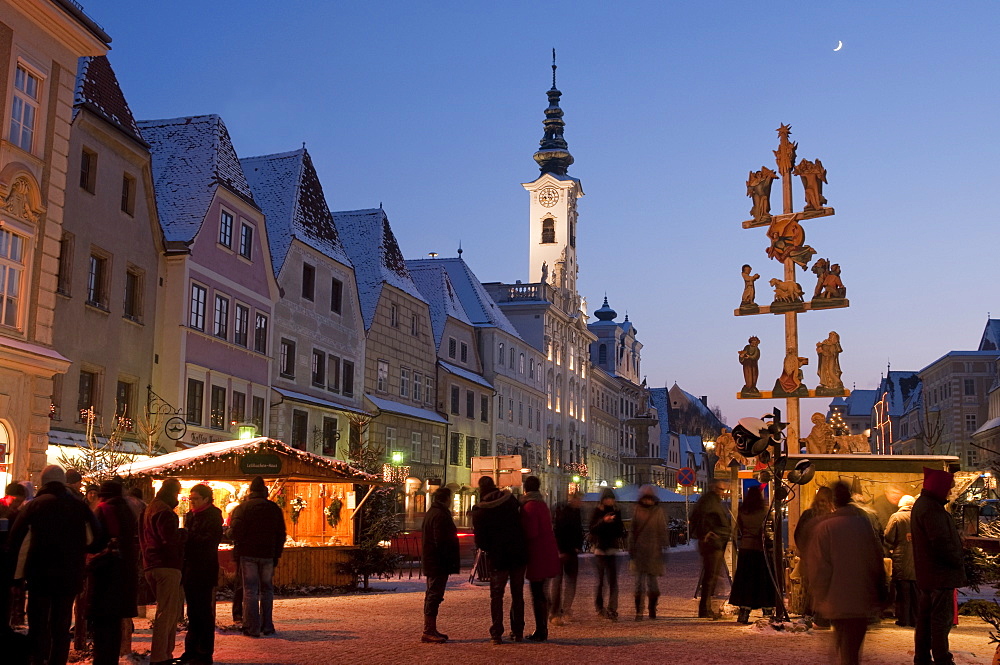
(543, 555)
(200, 575)
(567, 523)
(904, 575)
(258, 528)
(938, 563)
(162, 543)
(647, 539)
(606, 532)
(441, 558)
(711, 526)
(114, 573)
(752, 585)
(10, 506)
(496, 525)
(846, 574)
(822, 506)
(51, 537)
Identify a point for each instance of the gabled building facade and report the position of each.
(319, 335)
(109, 266)
(40, 42)
(212, 367)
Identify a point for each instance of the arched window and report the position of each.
(500, 355)
(548, 230)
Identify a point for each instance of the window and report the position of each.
(87, 392)
(97, 276)
(510, 409)
(260, 333)
(24, 110)
(132, 305)
(970, 456)
(123, 405)
(226, 229)
(429, 389)
(393, 316)
(218, 414)
(221, 325)
(548, 230)
(602, 354)
(484, 408)
(500, 406)
(520, 413)
(520, 364)
(336, 296)
(464, 355)
(456, 396)
(11, 269)
(970, 422)
(238, 411)
(500, 355)
(512, 357)
(413, 325)
(333, 374)
(456, 448)
(88, 170)
(436, 450)
(64, 279)
(531, 417)
(331, 435)
(308, 282)
(970, 386)
(484, 447)
(300, 429)
(246, 241)
(531, 368)
(199, 295)
(470, 450)
(416, 446)
(390, 439)
(452, 347)
(418, 387)
(470, 404)
(318, 368)
(404, 382)
(128, 194)
(257, 417)
(382, 376)
(286, 359)
(241, 324)
(195, 401)
(347, 379)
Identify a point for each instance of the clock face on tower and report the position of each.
(548, 197)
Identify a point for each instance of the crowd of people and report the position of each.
(88, 556)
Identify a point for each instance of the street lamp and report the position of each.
(246, 431)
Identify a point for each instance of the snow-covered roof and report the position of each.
(79, 440)
(288, 190)
(392, 406)
(479, 307)
(993, 423)
(191, 157)
(860, 402)
(660, 401)
(990, 340)
(98, 91)
(897, 385)
(175, 463)
(914, 400)
(316, 401)
(372, 247)
(630, 494)
(985, 355)
(435, 285)
(465, 374)
(692, 443)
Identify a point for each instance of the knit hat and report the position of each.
(53, 474)
(906, 500)
(257, 485)
(608, 493)
(72, 477)
(110, 489)
(938, 483)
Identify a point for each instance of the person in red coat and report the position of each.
(543, 555)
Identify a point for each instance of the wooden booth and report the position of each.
(317, 495)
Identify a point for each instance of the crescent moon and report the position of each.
(840, 45)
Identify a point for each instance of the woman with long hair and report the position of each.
(753, 587)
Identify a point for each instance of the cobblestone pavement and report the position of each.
(385, 627)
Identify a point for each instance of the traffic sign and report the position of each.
(686, 476)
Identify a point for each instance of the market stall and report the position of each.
(317, 495)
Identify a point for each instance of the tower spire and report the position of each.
(553, 155)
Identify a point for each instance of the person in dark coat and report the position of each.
(904, 575)
(114, 573)
(711, 526)
(846, 574)
(543, 555)
(258, 528)
(606, 532)
(496, 525)
(938, 563)
(567, 523)
(647, 540)
(52, 536)
(440, 557)
(200, 575)
(752, 585)
(162, 542)
(821, 508)
(10, 506)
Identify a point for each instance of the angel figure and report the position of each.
(759, 189)
(813, 177)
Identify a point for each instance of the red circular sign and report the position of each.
(686, 476)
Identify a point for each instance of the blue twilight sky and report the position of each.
(434, 110)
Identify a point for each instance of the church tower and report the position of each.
(553, 204)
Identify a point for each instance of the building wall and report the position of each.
(955, 389)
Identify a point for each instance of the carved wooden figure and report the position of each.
(828, 367)
(789, 384)
(820, 440)
(747, 301)
(749, 357)
(786, 292)
(725, 451)
(813, 177)
(759, 189)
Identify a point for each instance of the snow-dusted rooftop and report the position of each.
(192, 156)
(97, 90)
(434, 284)
(659, 400)
(465, 374)
(392, 406)
(288, 190)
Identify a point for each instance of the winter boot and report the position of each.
(638, 607)
(431, 633)
(652, 605)
(744, 615)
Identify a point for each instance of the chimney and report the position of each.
(704, 400)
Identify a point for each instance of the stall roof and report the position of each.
(630, 493)
(886, 463)
(301, 465)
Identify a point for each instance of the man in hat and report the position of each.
(496, 524)
(937, 559)
(258, 528)
(162, 544)
(441, 558)
(52, 534)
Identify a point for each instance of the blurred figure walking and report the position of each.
(606, 533)
(543, 555)
(567, 523)
(646, 542)
(753, 587)
(712, 526)
(904, 574)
